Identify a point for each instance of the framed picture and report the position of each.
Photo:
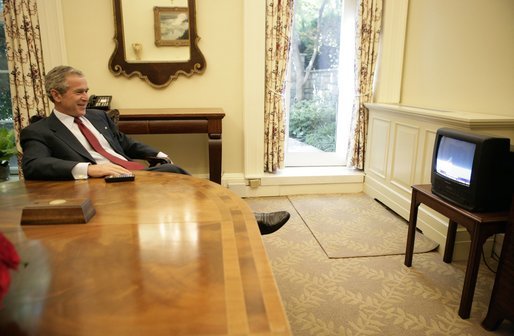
(171, 25)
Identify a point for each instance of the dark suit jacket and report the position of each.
(50, 150)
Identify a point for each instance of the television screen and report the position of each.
(455, 159)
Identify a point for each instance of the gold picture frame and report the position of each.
(171, 26)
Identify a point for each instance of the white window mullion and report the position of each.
(346, 76)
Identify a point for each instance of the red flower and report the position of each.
(9, 259)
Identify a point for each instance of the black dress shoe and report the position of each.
(271, 221)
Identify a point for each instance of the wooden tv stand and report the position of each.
(179, 121)
(479, 225)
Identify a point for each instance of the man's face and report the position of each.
(74, 101)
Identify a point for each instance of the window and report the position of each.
(319, 89)
(5, 96)
(6, 117)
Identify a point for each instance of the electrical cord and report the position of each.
(494, 255)
(485, 261)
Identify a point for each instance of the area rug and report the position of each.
(352, 225)
(355, 225)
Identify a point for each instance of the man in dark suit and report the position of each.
(52, 151)
(58, 147)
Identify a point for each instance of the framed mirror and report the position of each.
(156, 40)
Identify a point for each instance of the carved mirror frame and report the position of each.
(158, 74)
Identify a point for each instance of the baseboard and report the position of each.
(296, 181)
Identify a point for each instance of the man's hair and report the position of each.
(55, 79)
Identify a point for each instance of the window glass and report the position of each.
(5, 96)
(319, 87)
(6, 120)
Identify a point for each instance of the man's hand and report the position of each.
(106, 169)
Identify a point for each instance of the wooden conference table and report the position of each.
(165, 254)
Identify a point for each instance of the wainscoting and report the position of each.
(399, 154)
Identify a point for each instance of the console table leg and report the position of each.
(215, 158)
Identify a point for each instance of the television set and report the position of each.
(473, 171)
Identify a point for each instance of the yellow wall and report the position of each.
(459, 55)
(89, 31)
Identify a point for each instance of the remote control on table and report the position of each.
(119, 178)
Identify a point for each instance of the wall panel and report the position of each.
(378, 149)
(404, 155)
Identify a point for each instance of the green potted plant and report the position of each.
(7, 150)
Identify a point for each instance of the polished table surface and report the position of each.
(166, 254)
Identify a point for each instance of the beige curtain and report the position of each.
(369, 21)
(279, 15)
(25, 62)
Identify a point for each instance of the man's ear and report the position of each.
(55, 95)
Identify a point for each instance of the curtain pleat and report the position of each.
(369, 22)
(25, 63)
(279, 16)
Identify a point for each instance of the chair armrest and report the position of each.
(114, 115)
(154, 161)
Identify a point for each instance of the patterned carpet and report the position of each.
(356, 226)
(367, 295)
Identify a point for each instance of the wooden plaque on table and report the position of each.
(76, 211)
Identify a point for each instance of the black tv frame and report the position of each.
(490, 187)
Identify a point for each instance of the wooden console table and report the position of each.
(479, 225)
(179, 121)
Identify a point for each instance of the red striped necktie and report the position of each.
(93, 141)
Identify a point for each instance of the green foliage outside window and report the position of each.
(315, 61)
(314, 122)
(317, 32)
(5, 96)
(5, 104)
(7, 145)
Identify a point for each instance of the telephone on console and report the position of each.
(99, 102)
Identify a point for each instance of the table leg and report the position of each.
(450, 241)
(493, 318)
(411, 234)
(215, 158)
(470, 279)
